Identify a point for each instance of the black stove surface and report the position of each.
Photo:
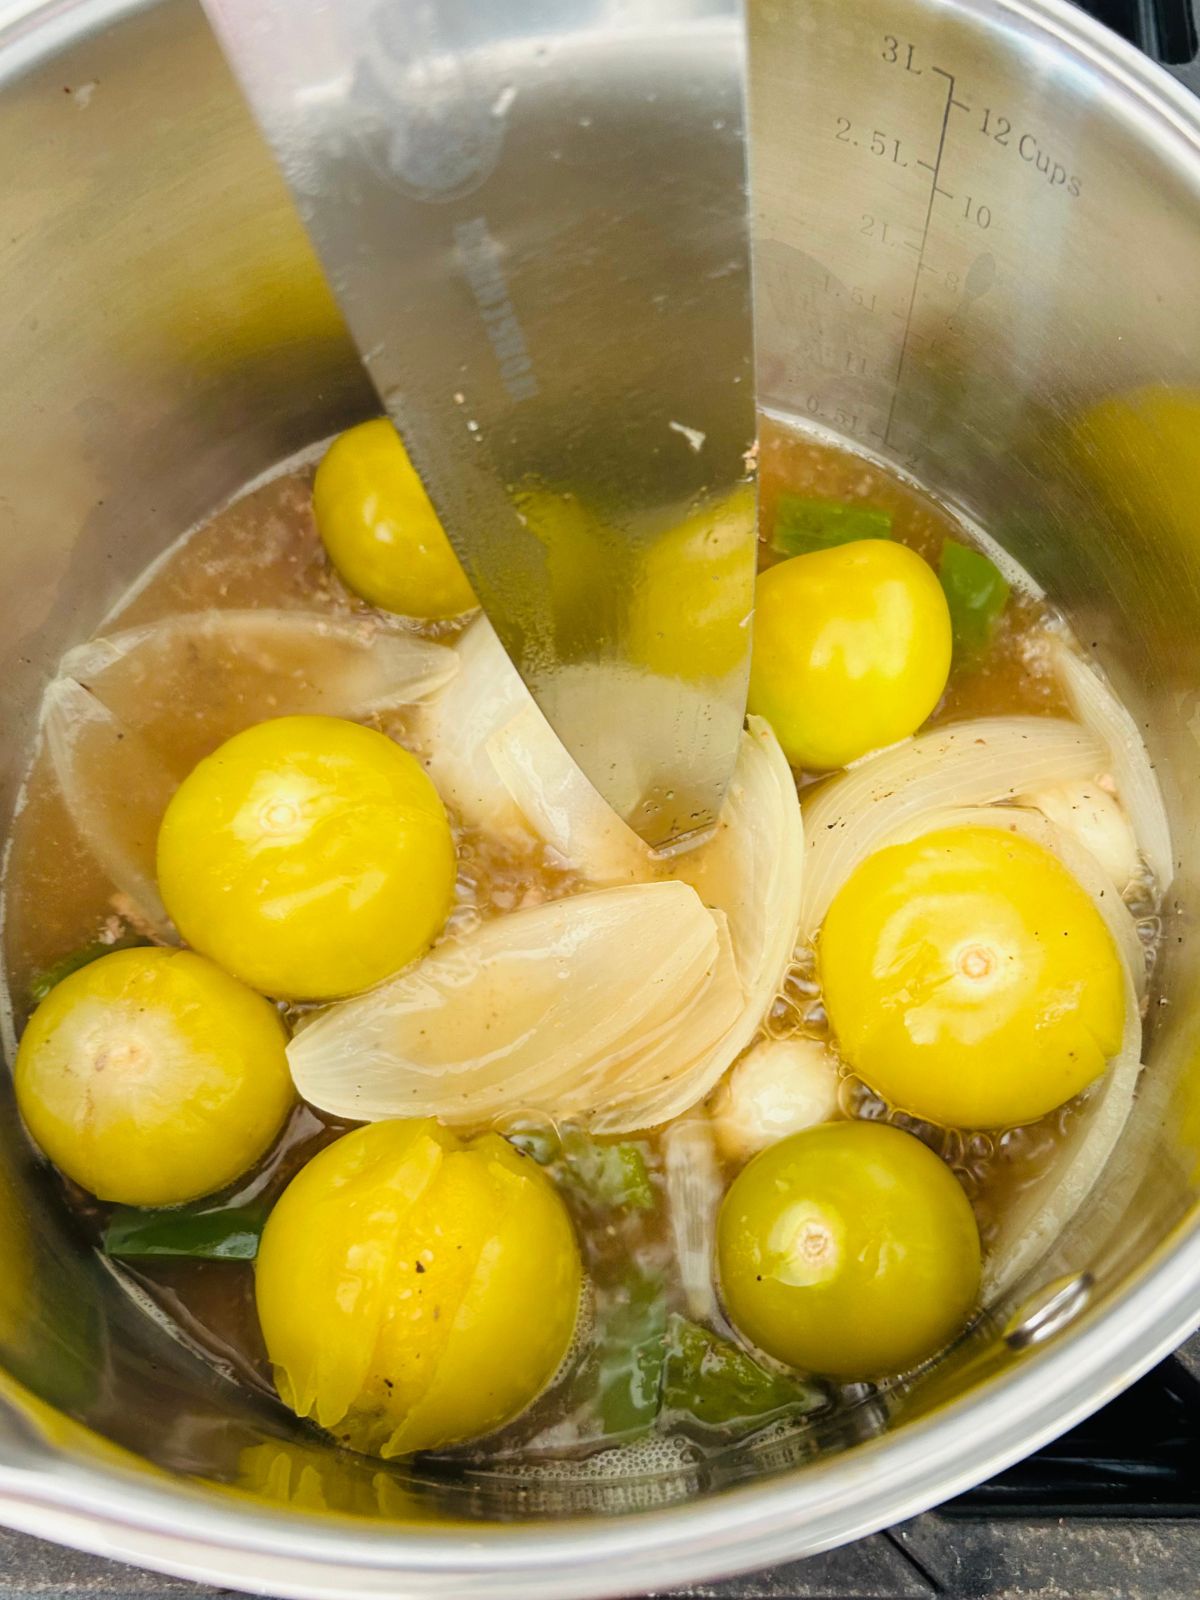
(1139, 1456)
(1164, 29)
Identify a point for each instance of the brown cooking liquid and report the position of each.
(263, 550)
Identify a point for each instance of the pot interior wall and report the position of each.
(168, 336)
(976, 256)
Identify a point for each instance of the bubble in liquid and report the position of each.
(855, 1099)
(463, 920)
(1033, 1143)
(581, 1339)
(1010, 1145)
(1065, 1116)
(650, 1456)
(799, 982)
(848, 1096)
(980, 1146)
(952, 1146)
(782, 1021)
(1140, 897)
(816, 1018)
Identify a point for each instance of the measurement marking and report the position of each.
(944, 192)
(949, 76)
(928, 165)
(909, 245)
(912, 299)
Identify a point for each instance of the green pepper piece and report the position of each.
(629, 1356)
(976, 592)
(709, 1382)
(607, 1175)
(231, 1234)
(618, 1383)
(803, 525)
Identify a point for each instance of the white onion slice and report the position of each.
(584, 1004)
(454, 731)
(1098, 708)
(749, 872)
(673, 715)
(116, 789)
(1095, 819)
(1036, 1217)
(206, 675)
(694, 1189)
(967, 763)
(498, 763)
(752, 869)
(671, 1070)
(561, 805)
(500, 766)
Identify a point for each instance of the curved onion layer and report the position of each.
(673, 715)
(500, 766)
(694, 1188)
(1094, 703)
(561, 805)
(1035, 1217)
(752, 869)
(131, 713)
(206, 675)
(498, 763)
(455, 730)
(116, 788)
(1093, 817)
(971, 763)
(589, 1007)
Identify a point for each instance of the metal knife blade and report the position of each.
(533, 214)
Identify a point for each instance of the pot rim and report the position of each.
(185, 1529)
(177, 1528)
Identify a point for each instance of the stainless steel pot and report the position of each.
(976, 222)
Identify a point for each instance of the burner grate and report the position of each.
(1164, 29)
(1139, 1456)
